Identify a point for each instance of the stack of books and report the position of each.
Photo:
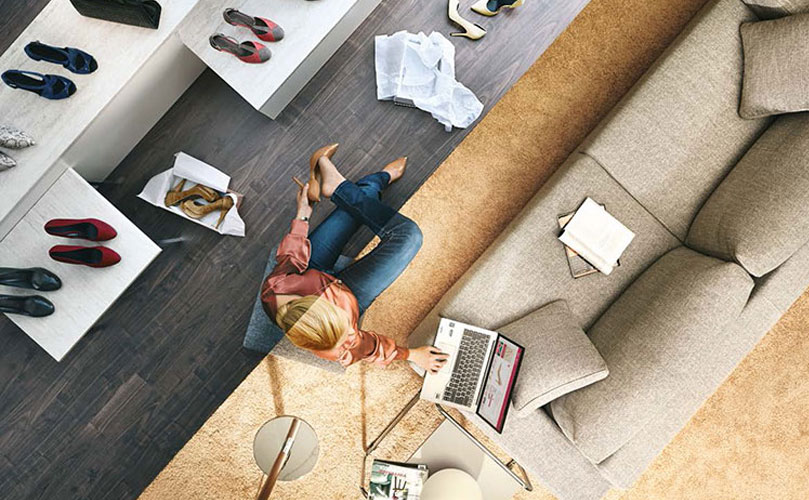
(594, 239)
(396, 481)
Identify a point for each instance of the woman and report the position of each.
(319, 308)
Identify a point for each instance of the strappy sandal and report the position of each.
(75, 60)
(47, 86)
(263, 28)
(249, 52)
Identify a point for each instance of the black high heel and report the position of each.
(35, 306)
(35, 278)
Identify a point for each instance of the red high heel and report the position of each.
(249, 52)
(85, 256)
(85, 229)
(263, 28)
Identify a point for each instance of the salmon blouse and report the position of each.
(292, 276)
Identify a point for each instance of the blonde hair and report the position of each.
(312, 322)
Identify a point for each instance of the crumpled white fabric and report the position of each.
(419, 70)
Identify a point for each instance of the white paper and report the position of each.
(597, 236)
(195, 172)
(420, 70)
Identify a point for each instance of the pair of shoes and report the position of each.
(186, 200)
(249, 51)
(395, 169)
(474, 31)
(51, 86)
(86, 229)
(34, 278)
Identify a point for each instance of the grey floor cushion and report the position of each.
(264, 336)
(559, 357)
(776, 67)
(655, 338)
(759, 215)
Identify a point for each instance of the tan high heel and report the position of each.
(396, 168)
(314, 174)
(198, 211)
(177, 194)
(471, 30)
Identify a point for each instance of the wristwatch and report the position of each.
(304, 218)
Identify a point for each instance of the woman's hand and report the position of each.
(429, 358)
(304, 208)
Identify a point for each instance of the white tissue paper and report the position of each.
(419, 70)
(195, 172)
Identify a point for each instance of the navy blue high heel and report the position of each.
(75, 60)
(47, 86)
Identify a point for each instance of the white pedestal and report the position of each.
(86, 292)
(141, 72)
(314, 30)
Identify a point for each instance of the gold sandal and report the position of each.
(198, 211)
(177, 194)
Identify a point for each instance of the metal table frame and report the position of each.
(522, 478)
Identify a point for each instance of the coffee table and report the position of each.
(450, 445)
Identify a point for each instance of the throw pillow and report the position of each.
(559, 357)
(776, 67)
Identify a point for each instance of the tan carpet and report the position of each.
(751, 440)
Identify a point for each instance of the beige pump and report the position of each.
(471, 30)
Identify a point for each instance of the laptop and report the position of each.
(480, 373)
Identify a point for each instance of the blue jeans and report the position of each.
(359, 204)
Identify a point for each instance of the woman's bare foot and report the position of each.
(329, 175)
(396, 168)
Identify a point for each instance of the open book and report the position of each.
(597, 236)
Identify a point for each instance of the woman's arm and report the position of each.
(295, 249)
(385, 351)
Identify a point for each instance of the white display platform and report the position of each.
(314, 30)
(449, 448)
(86, 292)
(112, 110)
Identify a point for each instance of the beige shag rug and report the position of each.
(749, 441)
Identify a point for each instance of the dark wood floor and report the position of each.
(105, 421)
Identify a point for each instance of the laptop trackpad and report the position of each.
(451, 350)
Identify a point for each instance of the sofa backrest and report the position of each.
(759, 214)
(677, 133)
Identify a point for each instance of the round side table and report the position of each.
(285, 448)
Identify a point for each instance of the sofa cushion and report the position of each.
(653, 338)
(771, 9)
(678, 132)
(559, 357)
(759, 215)
(627, 464)
(776, 67)
(526, 268)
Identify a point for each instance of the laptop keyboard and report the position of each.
(468, 365)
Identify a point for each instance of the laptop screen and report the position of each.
(499, 382)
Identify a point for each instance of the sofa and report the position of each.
(717, 204)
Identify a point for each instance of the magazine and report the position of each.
(578, 266)
(396, 480)
(597, 236)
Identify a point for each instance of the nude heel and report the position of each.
(314, 174)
